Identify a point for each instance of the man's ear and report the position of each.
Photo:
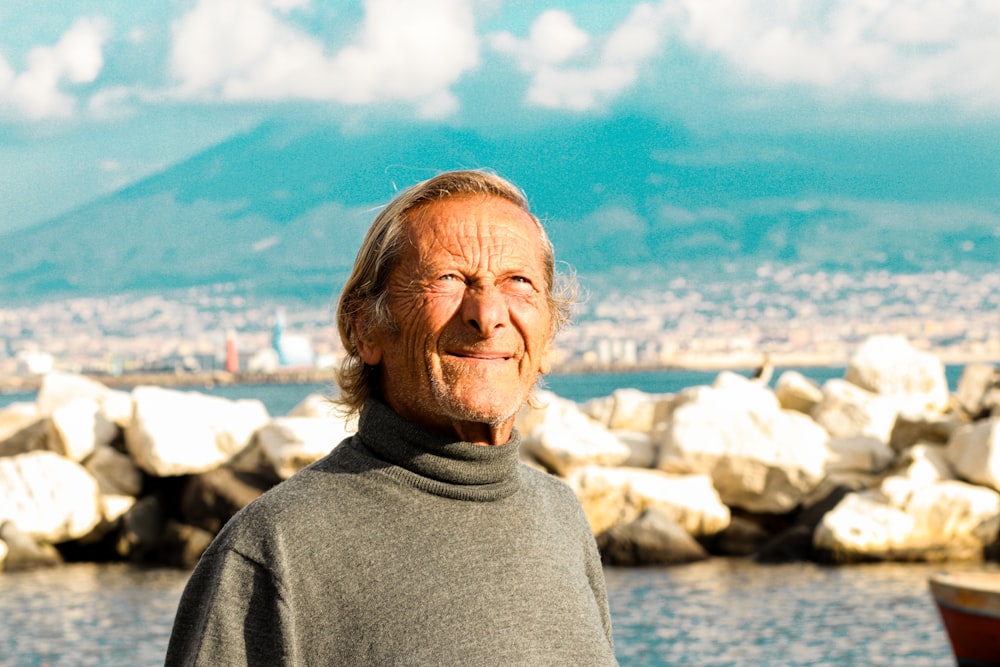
(544, 363)
(368, 346)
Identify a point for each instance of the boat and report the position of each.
(969, 605)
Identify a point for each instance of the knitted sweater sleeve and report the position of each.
(232, 612)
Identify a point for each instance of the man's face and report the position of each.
(473, 322)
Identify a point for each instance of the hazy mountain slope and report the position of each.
(282, 210)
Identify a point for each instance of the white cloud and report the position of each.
(554, 38)
(566, 73)
(38, 91)
(112, 102)
(246, 50)
(915, 51)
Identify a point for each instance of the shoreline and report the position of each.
(707, 363)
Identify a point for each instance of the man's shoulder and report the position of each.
(546, 483)
(314, 487)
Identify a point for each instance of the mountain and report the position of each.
(280, 211)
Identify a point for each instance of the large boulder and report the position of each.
(626, 409)
(22, 429)
(920, 513)
(859, 454)
(760, 457)
(115, 472)
(890, 365)
(654, 538)
(21, 551)
(613, 496)
(797, 392)
(643, 452)
(59, 388)
(48, 497)
(978, 391)
(210, 499)
(177, 433)
(78, 427)
(848, 411)
(314, 405)
(925, 464)
(292, 443)
(974, 452)
(929, 428)
(561, 437)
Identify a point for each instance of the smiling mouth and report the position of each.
(483, 356)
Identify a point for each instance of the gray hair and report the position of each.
(364, 301)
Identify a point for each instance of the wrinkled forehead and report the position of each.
(475, 223)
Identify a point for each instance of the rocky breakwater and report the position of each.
(883, 464)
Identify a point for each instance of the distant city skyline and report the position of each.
(893, 107)
(781, 317)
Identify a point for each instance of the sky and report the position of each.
(98, 94)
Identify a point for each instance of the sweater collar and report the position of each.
(437, 463)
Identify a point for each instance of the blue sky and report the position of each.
(96, 94)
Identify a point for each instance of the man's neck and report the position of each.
(484, 434)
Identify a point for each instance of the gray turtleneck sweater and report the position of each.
(401, 547)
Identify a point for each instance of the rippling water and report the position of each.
(733, 612)
(87, 614)
(715, 613)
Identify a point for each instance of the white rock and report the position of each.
(925, 464)
(626, 409)
(22, 429)
(890, 365)
(12, 416)
(4, 550)
(864, 524)
(760, 458)
(60, 388)
(314, 405)
(797, 392)
(115, 506)
(974, 452)
(947, 511)
(642, 451)
(177, 433)
(116, 473)
(613, 496)
(562, 437)
(978, 389)
(859, 454)
(79, 427)
(292, 443)
(848, 411)
(906, 519)
(48, 496)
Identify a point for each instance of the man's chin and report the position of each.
(492, 413)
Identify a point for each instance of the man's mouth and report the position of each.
(482, 356)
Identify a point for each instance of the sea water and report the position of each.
(714, 613)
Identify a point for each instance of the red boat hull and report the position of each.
(969, 604)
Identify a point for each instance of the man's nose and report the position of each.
(484, 308)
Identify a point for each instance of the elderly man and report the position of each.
(421, 540)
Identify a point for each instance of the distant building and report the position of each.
(232, 352)
(292, 350)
